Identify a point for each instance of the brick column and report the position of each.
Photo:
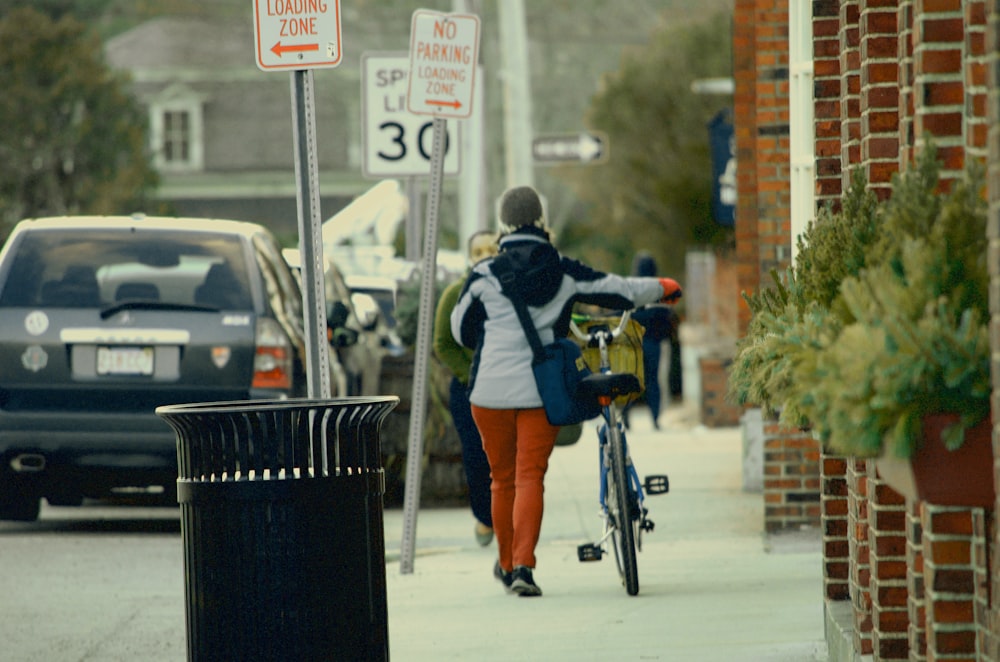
(859, 580)
(976, 78)
(879, 99)
(791, 478)
(826, 106)
(938, 90)
(982, 534)
(949, 583)
(850, 90)
(836, 549)
(916, 606)
(887, 561)
(990, 644)
(716, 411)
(904, 27)
(745, 132)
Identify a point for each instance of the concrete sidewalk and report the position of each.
(713, 586)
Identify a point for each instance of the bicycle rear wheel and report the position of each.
(619, 513)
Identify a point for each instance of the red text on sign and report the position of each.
(446, 29)
(444, 52)
(284, 7)
(292, 27)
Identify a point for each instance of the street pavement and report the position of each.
(713, 585)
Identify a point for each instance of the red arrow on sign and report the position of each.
(454, 104)
(280, 50)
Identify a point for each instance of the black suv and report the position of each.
(102, 319)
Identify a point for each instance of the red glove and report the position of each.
(671, 290)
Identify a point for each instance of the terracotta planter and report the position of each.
(962, 477)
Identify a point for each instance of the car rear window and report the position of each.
(82, 268)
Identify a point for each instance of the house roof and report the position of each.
(171, 43)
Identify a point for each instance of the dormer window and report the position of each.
(176, 145)
(176, 130)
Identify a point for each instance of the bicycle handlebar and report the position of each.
(592, 335)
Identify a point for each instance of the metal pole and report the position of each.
(418, 403)
(310, 234)
(472, 215)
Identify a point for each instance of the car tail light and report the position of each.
(272, 362)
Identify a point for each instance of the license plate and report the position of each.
(125, 360)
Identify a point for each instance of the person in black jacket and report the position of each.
(660, 322)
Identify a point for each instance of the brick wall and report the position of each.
(791, 478)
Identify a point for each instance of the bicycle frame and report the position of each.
(635, 485)
(621, 493)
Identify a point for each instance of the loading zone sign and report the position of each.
(444, 51)
(296, 34)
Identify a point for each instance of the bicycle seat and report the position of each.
(613, 384)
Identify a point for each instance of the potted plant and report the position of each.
(895, 365)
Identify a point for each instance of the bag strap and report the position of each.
(529, 328)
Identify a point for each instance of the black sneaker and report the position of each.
(505, 578)
(523, 583)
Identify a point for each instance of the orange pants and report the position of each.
(518, 443)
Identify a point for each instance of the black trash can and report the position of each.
(282, 525)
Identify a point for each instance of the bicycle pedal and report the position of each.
(657, 484)
(647, 525)
(589, 552)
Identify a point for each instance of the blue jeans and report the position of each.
(651, 370)
(477, 467)
(651, 373)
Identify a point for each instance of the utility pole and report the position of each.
(472, 209)
(516, 78)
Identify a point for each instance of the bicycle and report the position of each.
(622, 494)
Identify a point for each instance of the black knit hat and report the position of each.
(520, 206)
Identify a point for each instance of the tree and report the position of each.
(74, 141)
(654, 193)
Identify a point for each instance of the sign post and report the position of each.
(444, 52)
(300, 36)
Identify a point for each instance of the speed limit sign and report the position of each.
(397, 143)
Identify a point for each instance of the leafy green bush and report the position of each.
(794, 319)
(882, 319)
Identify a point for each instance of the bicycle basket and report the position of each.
(625, 353)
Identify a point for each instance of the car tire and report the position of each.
(19, 502)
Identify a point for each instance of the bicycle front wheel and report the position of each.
(620, 512)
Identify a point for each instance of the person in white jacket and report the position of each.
(506, 405)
